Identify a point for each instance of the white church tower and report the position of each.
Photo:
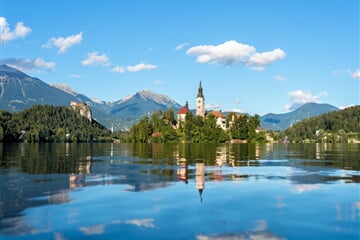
(200, 102)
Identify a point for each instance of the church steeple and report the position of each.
(200, 102)
(200, 92)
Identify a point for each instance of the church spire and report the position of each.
(200, 102)
(200, 92)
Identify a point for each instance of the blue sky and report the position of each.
(255, 56)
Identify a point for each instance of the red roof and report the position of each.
(184, 110)
(217, 114)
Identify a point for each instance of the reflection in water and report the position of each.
(33, 176)
(200, 178)
(259, 232)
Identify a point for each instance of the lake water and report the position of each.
(179, 191)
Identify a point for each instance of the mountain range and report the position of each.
(19, 91)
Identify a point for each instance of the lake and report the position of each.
(179, 191)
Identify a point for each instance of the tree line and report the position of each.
(45, 123)
(338, 126)
(162, 127)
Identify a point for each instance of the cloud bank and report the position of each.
(27, 65)
(233, 53)
(6, 34)
(64, 43)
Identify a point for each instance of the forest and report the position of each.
(338, 126)
(162, 127)
(45, 123)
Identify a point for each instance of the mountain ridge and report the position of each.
(19, 91)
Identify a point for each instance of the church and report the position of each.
(200, 110)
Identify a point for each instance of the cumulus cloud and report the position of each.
(266, 58)
(118, 69)
(94, 58)
(135, 68)
(300, 97)
(181, 46)
(356, 74)
(28, 65)
(64, 43)
(6, 34)
(232, 53)
(141, 67)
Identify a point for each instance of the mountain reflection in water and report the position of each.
(219, 177)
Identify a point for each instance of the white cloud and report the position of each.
(356, 74)
(181, 46)
(146, 222)
(95, 59)
(6, 34)
(118, 69)
(140, 67)
(227, 53)
(232, 53)
(64, 43)
(94, 230)
(301, 188)
(300, 97)
(27, 65)
(40, 63)
(266, 58)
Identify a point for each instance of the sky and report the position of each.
(253, 56)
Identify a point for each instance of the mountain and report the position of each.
(19, 91)
(141, 103)
(282, 121)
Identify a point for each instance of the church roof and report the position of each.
(184, 109)
(217, 114)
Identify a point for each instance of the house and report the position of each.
(220, 119)
(182, 113)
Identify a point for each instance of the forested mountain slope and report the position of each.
(44, 123)
(340, 124)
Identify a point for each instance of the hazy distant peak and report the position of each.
(156, 97)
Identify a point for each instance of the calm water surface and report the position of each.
(180, 191)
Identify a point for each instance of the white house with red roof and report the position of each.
(220, 118)
(182, 113)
